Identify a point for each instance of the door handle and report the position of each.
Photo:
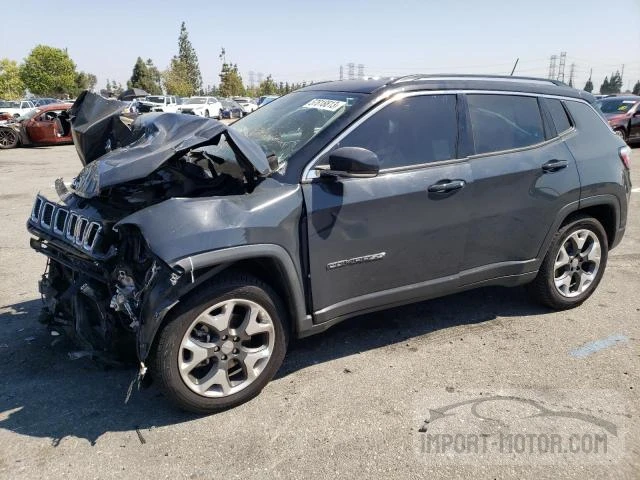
(446, 186)
(554, 165)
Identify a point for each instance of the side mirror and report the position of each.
(352, 162)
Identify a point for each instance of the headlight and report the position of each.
(87, 183)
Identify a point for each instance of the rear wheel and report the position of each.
(223, 347)
(206, 113)
(8, 138)
(573, 266)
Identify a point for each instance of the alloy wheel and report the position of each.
(577, 263)
(226, 348)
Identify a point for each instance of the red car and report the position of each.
(47, 125)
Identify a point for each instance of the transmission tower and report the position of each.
(563, 60)
(571, 72)
(260, 77)
(360, 71)
(341, 72)
(552, 67)
(351, 68)
(252, 78)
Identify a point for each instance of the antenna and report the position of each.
(514, 66)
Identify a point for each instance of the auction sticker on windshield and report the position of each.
(325, 104)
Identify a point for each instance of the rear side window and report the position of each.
(559, 115)
(587, 120)
(410, 131)
(503, 122)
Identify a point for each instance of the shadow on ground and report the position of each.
(45, 394)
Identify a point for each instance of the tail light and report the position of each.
(625, 156)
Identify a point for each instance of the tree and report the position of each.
(155, 76)
(176, 80)
(49, 71)
(230, 81)
(604, 88)
(588, 87)
(268, 87)
(142, 77)
(636, 88)
(187, 55)
(11, 85)
(615, 82)
(84, 81)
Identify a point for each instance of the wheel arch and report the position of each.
(267, 262)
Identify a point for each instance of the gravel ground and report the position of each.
(404, 393)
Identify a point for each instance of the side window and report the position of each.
(503, 122)
(559, 115)
(587, 120)
(410, 131)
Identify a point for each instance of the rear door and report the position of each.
(374, 240)
(634, 124)
(523, 175)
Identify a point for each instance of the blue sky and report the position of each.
(309, 40)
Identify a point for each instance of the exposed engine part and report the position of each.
(124, 297)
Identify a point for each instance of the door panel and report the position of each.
(515, 202)
(389, 229)
(41, 131)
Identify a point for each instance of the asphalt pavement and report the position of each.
(483, 384)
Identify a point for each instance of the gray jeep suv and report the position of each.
(205, 247)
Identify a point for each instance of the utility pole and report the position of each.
(571, 71)
(552, 67)
(563, 59)
(360, 71)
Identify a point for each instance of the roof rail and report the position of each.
(495, 78)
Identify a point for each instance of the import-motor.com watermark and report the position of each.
(519, 428)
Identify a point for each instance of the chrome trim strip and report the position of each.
(72, 222)
(59, 211)
(43, 223)
(35, 212)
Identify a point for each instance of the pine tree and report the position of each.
(636, 88)
(588, 87)
(615, 82)
(141, 77)
(230, 81)
(187, 55)
(605, 88)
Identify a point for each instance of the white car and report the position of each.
(17, 108)
(202, 106)
(158, 103)
(247, 104)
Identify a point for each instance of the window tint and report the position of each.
(588, 121)
(559, 115)
(410, 131)
(503, 122)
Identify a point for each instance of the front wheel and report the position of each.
(621, 133)
(8, 138)
(224, 345)
(573, 266)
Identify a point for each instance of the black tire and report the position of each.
(220, 117)
(621, 132)
(8, 138)
(165, 356)
(543, 288)
(206, 113)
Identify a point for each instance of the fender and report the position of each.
(168, 291)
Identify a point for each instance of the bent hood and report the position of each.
(123, 153)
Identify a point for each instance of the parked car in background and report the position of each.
(48, 125)
(263, 100)
(202, 106)
(40, 102)
(158, 103)
(5, 117)
(623, 114)
(16, 107)
(247, 104)
(230, 109)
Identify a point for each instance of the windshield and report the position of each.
(30, 114)
(616, 105)
(9, 104)
(197, 101)
(155, 99)
(283, 127)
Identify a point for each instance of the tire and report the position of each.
(187, 371)
(8, 138)
(565, 280)
(621, 133)
(206, 113)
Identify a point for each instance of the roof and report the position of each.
(456, 82)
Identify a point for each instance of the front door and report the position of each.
(373, 241)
